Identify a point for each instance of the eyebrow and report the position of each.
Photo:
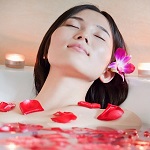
(81, 19)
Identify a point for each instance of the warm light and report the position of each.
(144, 69)
(14, 60)
(11, 146)
(15, 57)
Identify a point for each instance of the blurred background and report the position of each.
(23, 23)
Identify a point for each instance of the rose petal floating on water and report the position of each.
(30, 106)
(112, 112)
(19, 127)
(63, 117)
(4, 107)
(75, 138)
(9, 127)
(29, 127)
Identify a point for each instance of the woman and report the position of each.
(72, 66)
(114, 92)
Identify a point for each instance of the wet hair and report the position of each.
(114, 92)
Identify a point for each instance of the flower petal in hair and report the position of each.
(122, 65)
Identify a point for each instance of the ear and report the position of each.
(107, 76)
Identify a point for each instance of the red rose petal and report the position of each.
(89, 105)
(30, 106)
(63, 117)
(9, 127)
(4, 107)
(19, 127)
(29, 127)
(112, 112)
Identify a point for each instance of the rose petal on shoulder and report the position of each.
(4, 107)
(63, 117)
(30, 106)
(112, 112)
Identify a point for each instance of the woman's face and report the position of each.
(82, 45)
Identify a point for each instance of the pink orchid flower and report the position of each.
(122, 65)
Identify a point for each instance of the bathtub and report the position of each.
(18, 84)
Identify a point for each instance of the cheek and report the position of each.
(61, 34)
(101, 58)
(52, 52)
(59, 41)
(56, 43)
(103, 52)
(56, 38)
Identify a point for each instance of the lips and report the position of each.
(78, 48)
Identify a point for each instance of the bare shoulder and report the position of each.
(88, 118)
(85, 118)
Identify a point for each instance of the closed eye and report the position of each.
(99, 37)
(69, 25)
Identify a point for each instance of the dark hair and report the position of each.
(114, 92)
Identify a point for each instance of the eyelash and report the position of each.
(69, 25)
(72, 26)
(99, 37)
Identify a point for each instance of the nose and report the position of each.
(82, 36)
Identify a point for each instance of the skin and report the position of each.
(82, 30)
(79, 53)
(70, 64)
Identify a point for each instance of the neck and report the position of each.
(60, 90)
